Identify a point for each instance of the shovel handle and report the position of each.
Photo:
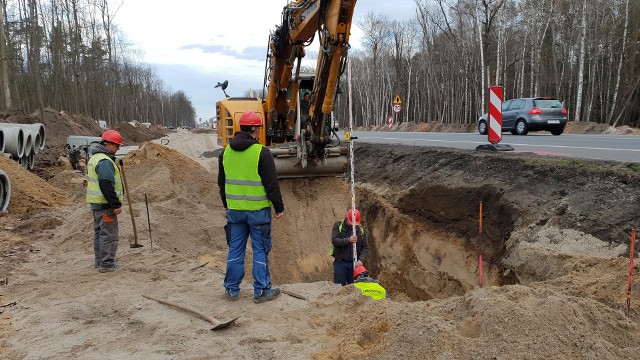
(126, 191)
(210, 319)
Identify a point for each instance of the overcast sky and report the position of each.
(194, 44)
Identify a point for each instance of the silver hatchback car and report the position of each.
(519, 116)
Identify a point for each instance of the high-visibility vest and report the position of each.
(371, 289)
(94, 194)
(243, 186)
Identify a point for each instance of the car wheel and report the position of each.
(521, 127)
(557, 132)
(482, 127)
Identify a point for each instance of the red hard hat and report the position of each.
(360, 269)
(250, 118)
(112, 136)
(350, 217)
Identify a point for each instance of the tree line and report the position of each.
(442, 60)
(70, 55)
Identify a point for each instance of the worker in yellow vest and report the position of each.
(105, 195)
(367, 285)
(249, 186)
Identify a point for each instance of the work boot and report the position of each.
(230, 296)
(108, 269)
(275, 292)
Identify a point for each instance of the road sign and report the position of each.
(390, 121)
(495, 114)
(397, 100)
(397, 108)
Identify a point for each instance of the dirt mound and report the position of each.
(28, 191)
(514, 322)
(585, 127)
(71, 182)
(185, 210)
(138, 134)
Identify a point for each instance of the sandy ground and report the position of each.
(564, 304)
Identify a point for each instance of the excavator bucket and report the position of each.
(289, 165)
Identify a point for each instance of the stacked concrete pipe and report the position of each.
(5, 191)
(22, 141)
(13, 141)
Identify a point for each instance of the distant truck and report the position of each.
(102, 123)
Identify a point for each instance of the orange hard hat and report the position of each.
(112, 136)
(350, 216)
(360, 269)
(250, 118)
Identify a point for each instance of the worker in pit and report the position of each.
(249, 186)
(342, 240)
(105, 195)
(367, 285)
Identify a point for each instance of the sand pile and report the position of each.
(185, 210)
(133, 135)
(28, 191)
(511, 322)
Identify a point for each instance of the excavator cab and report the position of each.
(228, 113)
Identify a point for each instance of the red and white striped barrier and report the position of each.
(495, 114)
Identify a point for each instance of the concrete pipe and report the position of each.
(24, 161)
(41, 136)
(37, 128)
(32, 161)
(13, 141)
(5, 191)
(1, 141)
(28, 142)
(37, 141)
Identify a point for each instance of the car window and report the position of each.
(505, 105)
(547, 103)
(517, 104)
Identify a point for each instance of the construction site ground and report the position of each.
(554, 242)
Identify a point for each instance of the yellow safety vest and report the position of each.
(371, 289)
(243, 186)
(94, 194)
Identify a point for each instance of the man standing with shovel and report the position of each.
(105, 195)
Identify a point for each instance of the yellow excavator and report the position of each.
(303, 141)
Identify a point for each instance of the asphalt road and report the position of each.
(625, 148)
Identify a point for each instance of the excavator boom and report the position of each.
(302, 138)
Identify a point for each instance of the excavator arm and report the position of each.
(301, 21)
(301, 138)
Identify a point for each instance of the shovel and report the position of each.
(217, 324)
(133, 220)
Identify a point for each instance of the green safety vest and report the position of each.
(94, 194)
(371, 289)
(243, 186)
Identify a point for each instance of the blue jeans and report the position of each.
(343, 272)
(240, 225)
